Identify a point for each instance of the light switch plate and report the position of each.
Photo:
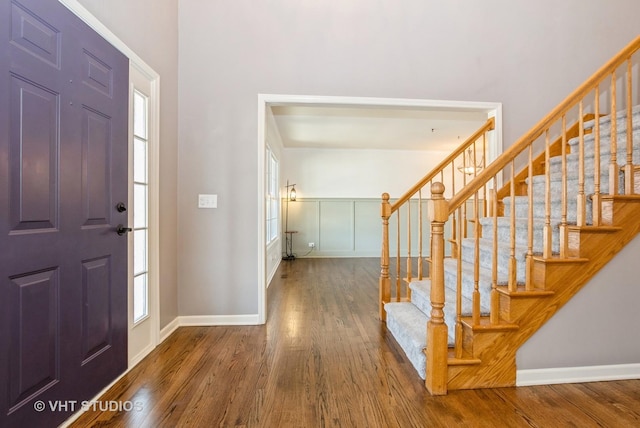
(207, 201)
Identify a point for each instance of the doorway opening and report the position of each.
(268, 102)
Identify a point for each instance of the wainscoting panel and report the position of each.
(367, 227)
(342, 227)
(336, 226)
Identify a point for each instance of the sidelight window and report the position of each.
(140, 208)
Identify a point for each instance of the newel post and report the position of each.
(437, 341)
(385, 281)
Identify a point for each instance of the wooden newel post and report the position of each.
(437, 336)
(385, 281)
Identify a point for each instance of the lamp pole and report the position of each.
(288, 234)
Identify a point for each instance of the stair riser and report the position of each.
(522, 234)
(484, 287)
(415, 355)
(486, 258)
(539, 209)
(555, 187)
(573, 165)
(621, 122)
(424, 304)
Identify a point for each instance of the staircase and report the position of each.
(514, 253)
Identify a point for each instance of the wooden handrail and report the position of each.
(488, 126)
(547, 234)
(537, 130)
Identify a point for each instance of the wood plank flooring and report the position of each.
(324, 360)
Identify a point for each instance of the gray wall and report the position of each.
(598, 326)
(152, 32)
(527, 55)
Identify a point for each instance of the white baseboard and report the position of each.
(169, 329)
(213, 320)
(141, 355)
(577, 374)
(273, 272)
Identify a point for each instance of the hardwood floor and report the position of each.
(324, 359)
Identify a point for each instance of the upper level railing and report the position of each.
(567, 162)
(408, 214)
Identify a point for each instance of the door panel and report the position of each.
(63, 168)
(96, 316)
(34, 113)
(96, 155)
(34, 327)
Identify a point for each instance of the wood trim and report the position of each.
(488, 126)
(562, 278)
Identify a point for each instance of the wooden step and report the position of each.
(464, 360)
(485, 325)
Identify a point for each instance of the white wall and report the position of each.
(152, 32)
(356, 173)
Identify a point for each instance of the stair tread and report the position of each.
(596, 229)
(485, 325)
(521, 292)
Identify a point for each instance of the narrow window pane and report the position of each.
(139, 160)
(139, 251)
(140, 206)
(139, 115)
(274, 228)
(140, 306)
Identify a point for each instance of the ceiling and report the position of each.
(375, 127)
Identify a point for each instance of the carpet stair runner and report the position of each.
(407, 321)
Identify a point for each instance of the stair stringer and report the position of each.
(556, 281)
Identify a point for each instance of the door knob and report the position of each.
(121, 230)
(121, 207)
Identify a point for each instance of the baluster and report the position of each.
(459, 298)
(613, 164)
(595, 199)
(409, 266)
(464, 206)
(512, 247)
(628, 168)
(455, 218)
(581, 205)
(476, 262)
(484, 165)
(437, 336)
(563, 203)
(420, 255)
(398, 263)
(529, 257)
(495, 296)
(547, 237)
(384, 282)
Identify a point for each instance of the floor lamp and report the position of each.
(288, 234)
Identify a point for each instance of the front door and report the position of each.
(63, 172)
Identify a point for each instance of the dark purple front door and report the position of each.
(63, 170)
